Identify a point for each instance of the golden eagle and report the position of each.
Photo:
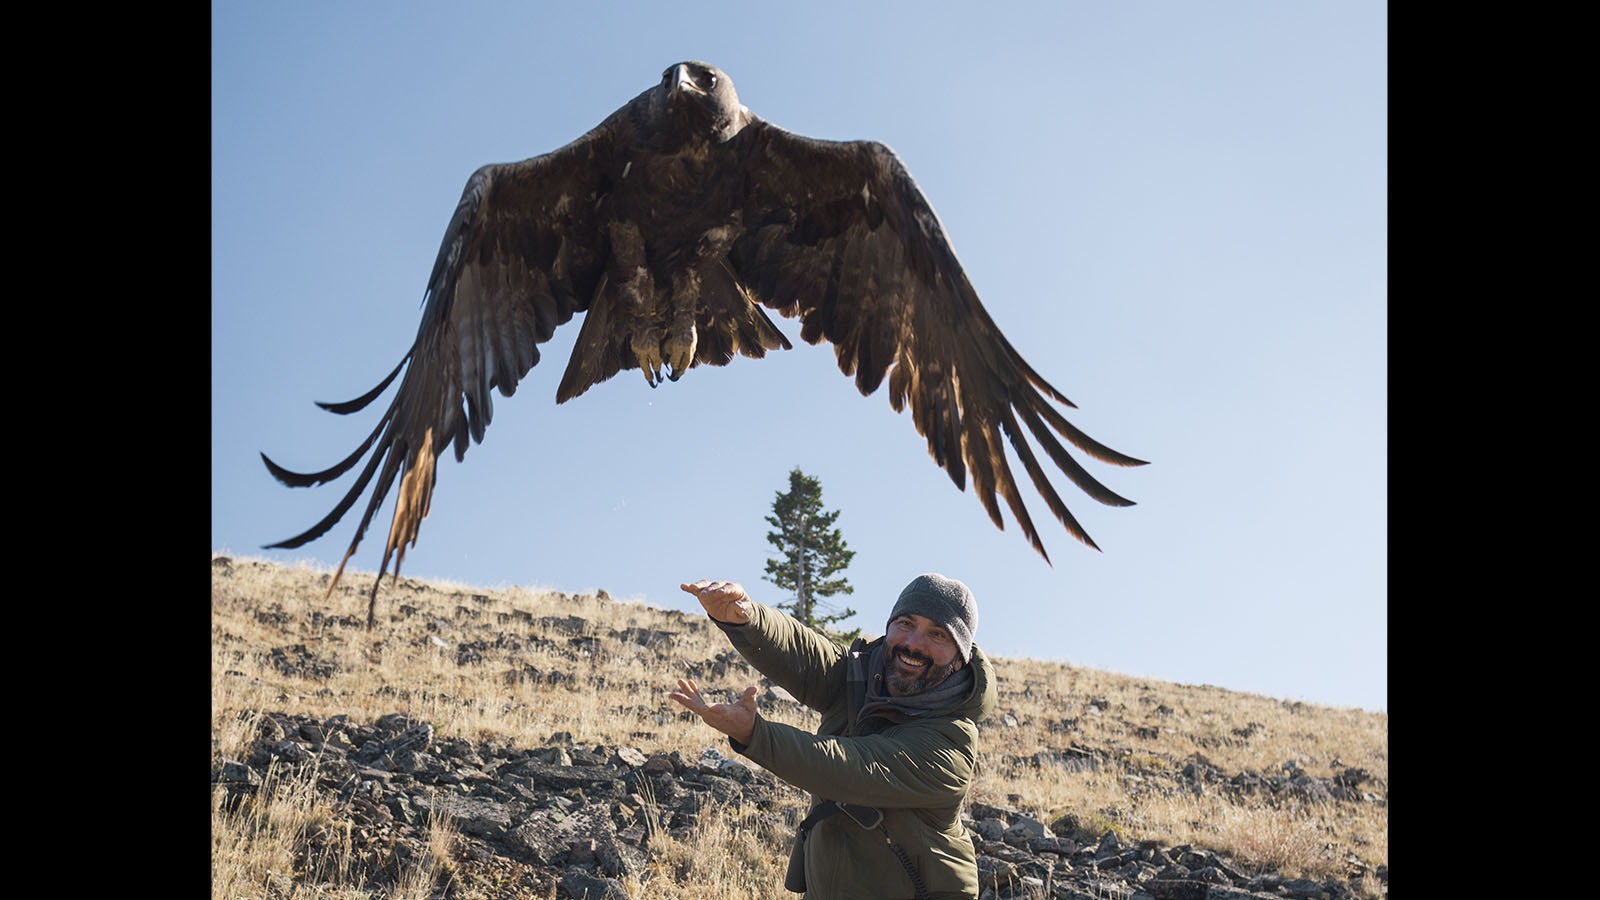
(674, 226)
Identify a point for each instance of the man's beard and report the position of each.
(929, 677)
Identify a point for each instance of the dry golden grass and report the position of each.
(280, 645)
(1156, 726)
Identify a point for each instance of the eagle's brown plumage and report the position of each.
(671, 225)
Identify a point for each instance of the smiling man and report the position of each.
(893, 757)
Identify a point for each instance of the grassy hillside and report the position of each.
(1176, 764)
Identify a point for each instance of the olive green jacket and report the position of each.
(916, 770)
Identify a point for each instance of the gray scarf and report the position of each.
(939, 699)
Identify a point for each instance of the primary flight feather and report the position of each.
(673, 226)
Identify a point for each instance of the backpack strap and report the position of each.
(819, 812)
(855, 683)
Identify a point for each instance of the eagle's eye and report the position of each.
(708, 81)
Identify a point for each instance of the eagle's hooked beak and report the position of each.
(681, 79)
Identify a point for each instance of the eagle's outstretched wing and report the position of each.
(521, 255)
(838, 234)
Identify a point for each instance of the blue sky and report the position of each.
(1176, 212)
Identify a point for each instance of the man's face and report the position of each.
(922, 654)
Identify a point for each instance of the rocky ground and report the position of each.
(580, 819)
(573, 820)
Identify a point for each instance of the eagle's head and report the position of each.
(703, 94)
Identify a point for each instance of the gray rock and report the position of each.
(578, 812)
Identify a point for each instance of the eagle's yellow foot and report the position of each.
(681, 340)
(678, 348)
(647, 350)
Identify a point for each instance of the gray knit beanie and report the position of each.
(943, 600)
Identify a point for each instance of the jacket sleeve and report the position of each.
(914, 764)
(794, 656)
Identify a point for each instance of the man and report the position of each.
(893, 757)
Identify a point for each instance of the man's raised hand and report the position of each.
(725, 601)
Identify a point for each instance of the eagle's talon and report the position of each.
(678, 349)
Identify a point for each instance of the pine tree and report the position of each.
(814, 552)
